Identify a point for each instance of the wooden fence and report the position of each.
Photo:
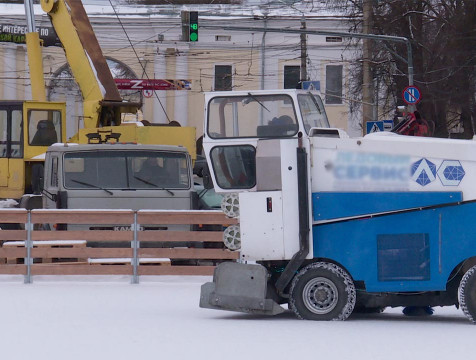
(32, 245)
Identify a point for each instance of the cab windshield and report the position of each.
(153, 170)
(312, 111)
(259, 116)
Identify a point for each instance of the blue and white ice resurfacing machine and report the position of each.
(330, 224)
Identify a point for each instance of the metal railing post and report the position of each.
(28, 259)
(135, 260)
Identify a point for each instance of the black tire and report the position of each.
(467, 294)
(369, 310)
(322, 291)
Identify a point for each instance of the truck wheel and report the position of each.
(322, 291)
(369, 310)
(467, 294)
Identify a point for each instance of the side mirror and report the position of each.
(207, 178)
(37, 178)
(62, 200)
(194, 205)
(30, 202)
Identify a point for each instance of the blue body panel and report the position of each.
(334, 205)
(408, 251)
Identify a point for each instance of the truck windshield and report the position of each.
(312, 111)
(126, 170)
(251, 115)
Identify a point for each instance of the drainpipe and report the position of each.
(263, 66)
(263, 50)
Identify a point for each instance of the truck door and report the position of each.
(4, 132)
(11, 148)
(45, 124)
(269, 217)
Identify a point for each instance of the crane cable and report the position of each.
(137, 56)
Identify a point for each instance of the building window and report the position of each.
(292, 76)
(223, 38)
(333, 39)
(334, 84)
(63, 84)
(223, 77)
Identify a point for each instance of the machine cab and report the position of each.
(252, 142)
(239, 123)
(27, 128)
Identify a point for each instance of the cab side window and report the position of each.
(234, 166)
(44, 127)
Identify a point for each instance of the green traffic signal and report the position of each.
(193, 35)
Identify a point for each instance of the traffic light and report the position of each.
(193, 33)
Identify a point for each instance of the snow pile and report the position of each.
(9, 203)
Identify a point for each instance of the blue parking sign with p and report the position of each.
(411, 95)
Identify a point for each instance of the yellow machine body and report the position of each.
(147, 135)
(24, 125)
(103, 108)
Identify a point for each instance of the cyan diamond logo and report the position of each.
(423, 172)
(451, 172)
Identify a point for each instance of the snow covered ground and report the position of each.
(109, 318)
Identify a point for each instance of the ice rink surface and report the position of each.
(109, 318)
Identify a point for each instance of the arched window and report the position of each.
(63, 83)
(63, 87)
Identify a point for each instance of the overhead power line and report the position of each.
(138, 59)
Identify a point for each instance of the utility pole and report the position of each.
(303, 51)
(367, 81)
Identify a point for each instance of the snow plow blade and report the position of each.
(239, 287)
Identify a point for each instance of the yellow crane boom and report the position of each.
(27, 128)
(102, 103)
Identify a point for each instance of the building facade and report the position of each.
(151, 42)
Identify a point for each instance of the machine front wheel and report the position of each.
(467, 294)
(322, 291)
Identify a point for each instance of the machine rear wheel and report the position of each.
(467, 294)
(322, 291)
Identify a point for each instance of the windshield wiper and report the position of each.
(259, 102)
(315, 102)
(154, 185)
(91, 185)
